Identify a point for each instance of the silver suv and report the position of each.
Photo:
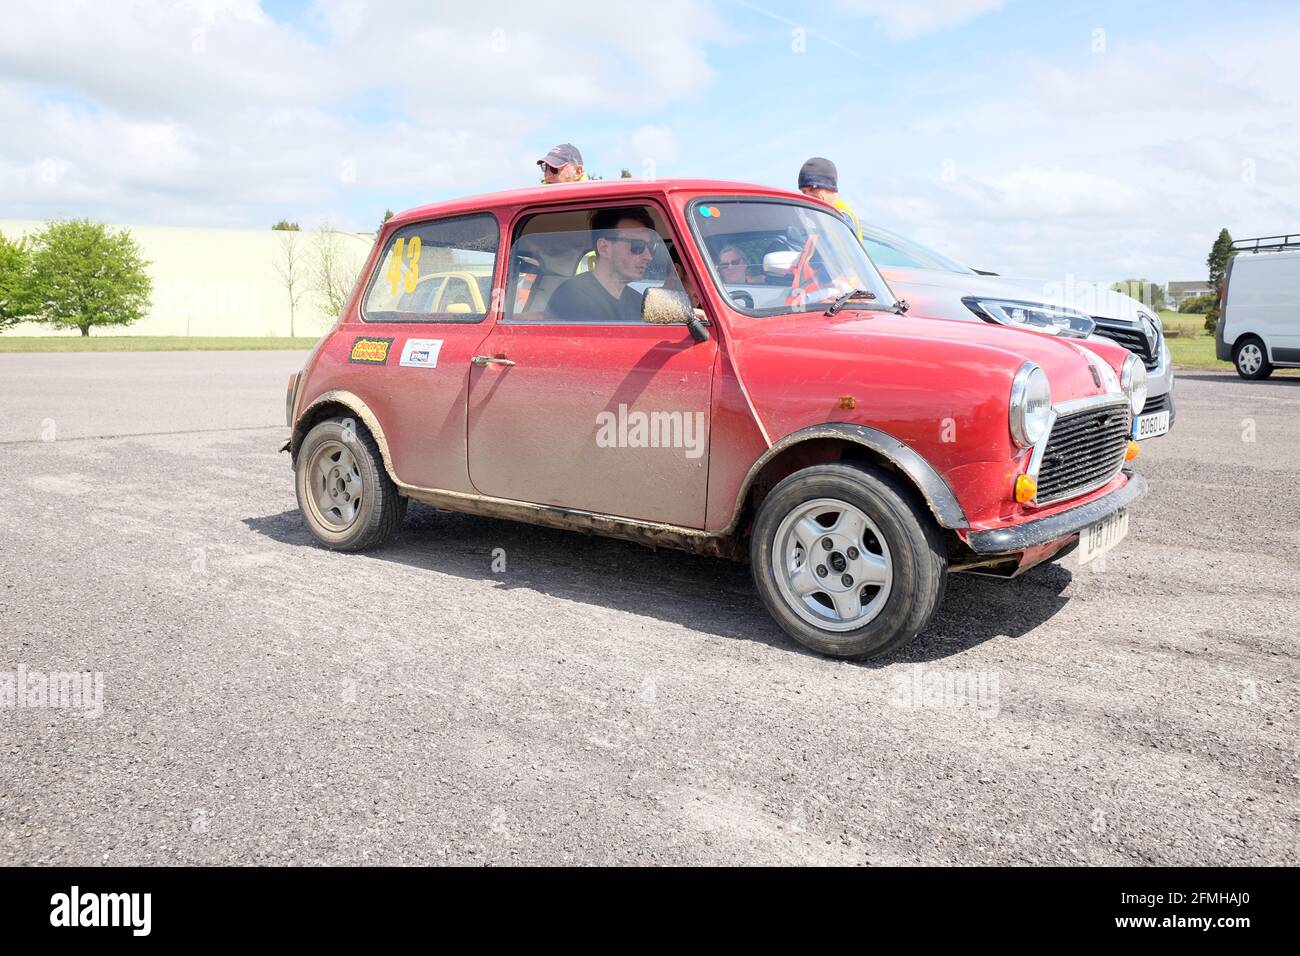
(934, 285)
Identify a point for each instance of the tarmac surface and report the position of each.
(266, 701)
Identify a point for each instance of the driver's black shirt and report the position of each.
(584, 299)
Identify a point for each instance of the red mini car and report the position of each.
(716, 367)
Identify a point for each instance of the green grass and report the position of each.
(146, 343)
(1191, 346)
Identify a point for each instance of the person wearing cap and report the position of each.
(563, 164)
(819, 179)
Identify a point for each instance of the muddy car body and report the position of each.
(853, 454)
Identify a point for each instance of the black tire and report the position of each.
(916, 548)
(381, 509)
(1265, 368)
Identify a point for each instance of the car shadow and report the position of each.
(1229, 375)
(712, 595)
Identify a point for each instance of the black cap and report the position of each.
(561, 155)
(820, 173)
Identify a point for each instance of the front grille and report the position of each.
(1085, 450)
(1132, 339)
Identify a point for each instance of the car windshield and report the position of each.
(887, 249)
(773, 257)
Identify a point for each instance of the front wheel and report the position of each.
(845, 562)
(1251, 361)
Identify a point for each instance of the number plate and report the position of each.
(1097, 539)
(1149, 426)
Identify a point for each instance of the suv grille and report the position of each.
(1157, 403)
(1085, 450)
(1131, 338)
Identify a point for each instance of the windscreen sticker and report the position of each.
(421, 353)
(368, 351)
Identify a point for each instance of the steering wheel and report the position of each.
(743, 298)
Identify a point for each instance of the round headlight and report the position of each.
(1031, 406)
(1134, 382)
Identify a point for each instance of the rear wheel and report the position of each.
(845, 562)
(1251, 359)
(347, 499)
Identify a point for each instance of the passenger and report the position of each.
(625, 242)
(733, 267)
(819, 178)
(563, 164)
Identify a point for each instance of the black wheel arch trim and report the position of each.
(938, 495)
(1043, 530)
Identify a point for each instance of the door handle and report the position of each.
(483, 361)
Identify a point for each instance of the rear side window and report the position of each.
(438, 271)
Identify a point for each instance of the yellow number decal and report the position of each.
(412, 263)
(394, 273)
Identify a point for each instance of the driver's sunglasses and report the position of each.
(730, 263)
(553, 170)
(639, 246)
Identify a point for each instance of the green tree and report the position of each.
(388, 214)
(1148, 293)
(15, 268)
(625, 173)
(1217, 260)
(84, 275)
(1217, 263)
(1199, 304)
(284, 225)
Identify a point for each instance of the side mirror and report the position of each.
(671, 307)
(775, 263)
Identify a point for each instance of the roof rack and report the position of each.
(1267, 243)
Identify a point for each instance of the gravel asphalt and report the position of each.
(592, 701)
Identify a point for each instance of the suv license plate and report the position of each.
(1149, 426)
(1096, 539)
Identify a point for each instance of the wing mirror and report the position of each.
(775, 263)
(671, 307)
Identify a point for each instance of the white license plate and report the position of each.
(1096, 539)
(1149, 426)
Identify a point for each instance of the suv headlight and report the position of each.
(1031, 405)
(1133, 381)
(1037, 316)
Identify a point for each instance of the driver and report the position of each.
(625, 241)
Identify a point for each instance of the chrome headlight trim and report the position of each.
(1134, 383)
(1029, 410)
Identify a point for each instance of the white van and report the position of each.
(1259, 322)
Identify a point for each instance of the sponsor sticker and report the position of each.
(421, 353)
(368, 351)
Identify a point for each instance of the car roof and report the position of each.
(595, 190)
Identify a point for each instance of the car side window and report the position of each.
(435, 271)
(590, 266)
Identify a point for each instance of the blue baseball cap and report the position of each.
(562, 155)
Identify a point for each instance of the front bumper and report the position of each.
(1057, 527)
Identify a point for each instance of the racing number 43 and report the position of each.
(394, 273)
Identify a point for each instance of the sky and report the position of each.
(1099, 140)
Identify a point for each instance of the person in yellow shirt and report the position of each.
(819, 178)
(563, 164)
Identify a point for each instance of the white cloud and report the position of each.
(212, 112)
(904, 20)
